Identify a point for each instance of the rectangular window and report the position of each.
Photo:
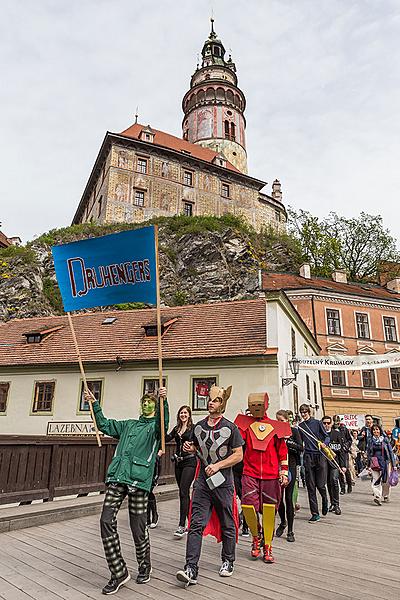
(96, 387)
(200, 388)
(4, 388)
(368, 378)
(362, 326)
(187, 209)
(395, 377)
(389, 324)
(188, 178)
(225, 190)
(338, 379)
(150, 386)
(293, 340)
(333, 322)
(100, 201)
(44, 396)
(138, 199)
(308, 387)
(142, 165)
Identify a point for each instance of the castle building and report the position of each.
(142, 172)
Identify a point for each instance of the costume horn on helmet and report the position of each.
(221, 393)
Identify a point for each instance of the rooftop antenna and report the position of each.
(136, 115)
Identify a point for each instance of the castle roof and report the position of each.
(166, 140)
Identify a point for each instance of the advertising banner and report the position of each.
(349, 363)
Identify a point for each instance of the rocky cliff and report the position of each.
(202, 259)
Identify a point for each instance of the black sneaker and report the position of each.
(332, 508)
(337, 510)
(290, 537)
(280, 529)
(314, 518)
(324, 508)
(114, 584)
(188, 576)
(143, 575)
(226, 569)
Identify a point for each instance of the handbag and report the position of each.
(375, 464)
(393, 478)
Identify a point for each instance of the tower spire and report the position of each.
(212, 35)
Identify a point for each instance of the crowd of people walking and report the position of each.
(241, 473)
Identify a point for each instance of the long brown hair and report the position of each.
(178, 419)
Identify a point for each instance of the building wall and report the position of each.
(382, 400)
(279, 334)
(165, 194)
(122, 390)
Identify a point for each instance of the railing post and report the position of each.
(54, 469)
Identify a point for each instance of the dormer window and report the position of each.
(150, 329)
(147, 134)
(36, 336)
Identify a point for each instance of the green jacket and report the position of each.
(139, 441)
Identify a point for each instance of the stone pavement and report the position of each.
(355, 556)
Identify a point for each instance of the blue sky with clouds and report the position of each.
(321, 79)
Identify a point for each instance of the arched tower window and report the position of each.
(233, 136)
(227, 130)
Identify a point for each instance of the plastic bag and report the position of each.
(393, 478)
(365, 474)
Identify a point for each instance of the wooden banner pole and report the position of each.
(85, 385)
(159, 332)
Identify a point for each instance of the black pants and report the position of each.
(203, 500)
(286, 505)
(343, 479)
(184, 474)
(316, 468)
(137, 507)
(333, 485)
(152, 513)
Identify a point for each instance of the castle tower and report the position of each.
(214, 105)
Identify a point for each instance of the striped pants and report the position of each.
(137, 507)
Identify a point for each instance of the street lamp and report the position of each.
(294, 365)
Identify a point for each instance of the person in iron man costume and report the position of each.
(265, 471)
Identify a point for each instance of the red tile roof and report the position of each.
(178, 144)
(4, 241)
(222, 329)
(291, 281)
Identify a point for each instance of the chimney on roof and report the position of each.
(277, 190)
(340, 276)
(394, 285)
(305, 271)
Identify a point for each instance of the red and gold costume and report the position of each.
(265, 467)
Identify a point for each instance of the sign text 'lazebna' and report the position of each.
(107, 270)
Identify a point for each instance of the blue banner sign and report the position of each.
(107, 270)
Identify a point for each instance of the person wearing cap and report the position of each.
(218, 444)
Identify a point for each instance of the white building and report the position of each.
(245, 344)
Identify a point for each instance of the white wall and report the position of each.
(122, 390)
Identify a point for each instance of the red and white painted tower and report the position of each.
(214, 106)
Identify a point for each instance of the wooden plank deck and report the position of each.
(354, 556)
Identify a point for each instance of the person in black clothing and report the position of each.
(346, 441)
(315, 463)
(286, 506)
(152, 513)
(334, 441)
(185, 463)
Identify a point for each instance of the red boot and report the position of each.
(256, 547)
(268, 558)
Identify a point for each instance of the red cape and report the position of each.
(213, 526)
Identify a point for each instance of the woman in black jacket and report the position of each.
(286, 506)
(185, 463)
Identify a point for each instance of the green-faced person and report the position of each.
(130, 474)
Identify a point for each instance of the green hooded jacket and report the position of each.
(139, 441)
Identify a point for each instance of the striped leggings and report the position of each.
(137, 507)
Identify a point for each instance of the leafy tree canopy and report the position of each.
(357, 244)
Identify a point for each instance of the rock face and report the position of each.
(195, 267)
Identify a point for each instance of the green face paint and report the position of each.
(148, 407)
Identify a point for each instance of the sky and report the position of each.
(321, 78)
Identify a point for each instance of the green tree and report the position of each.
(357, 244)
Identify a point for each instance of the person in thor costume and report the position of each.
(265, 471)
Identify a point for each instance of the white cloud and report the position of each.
(321, 81)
